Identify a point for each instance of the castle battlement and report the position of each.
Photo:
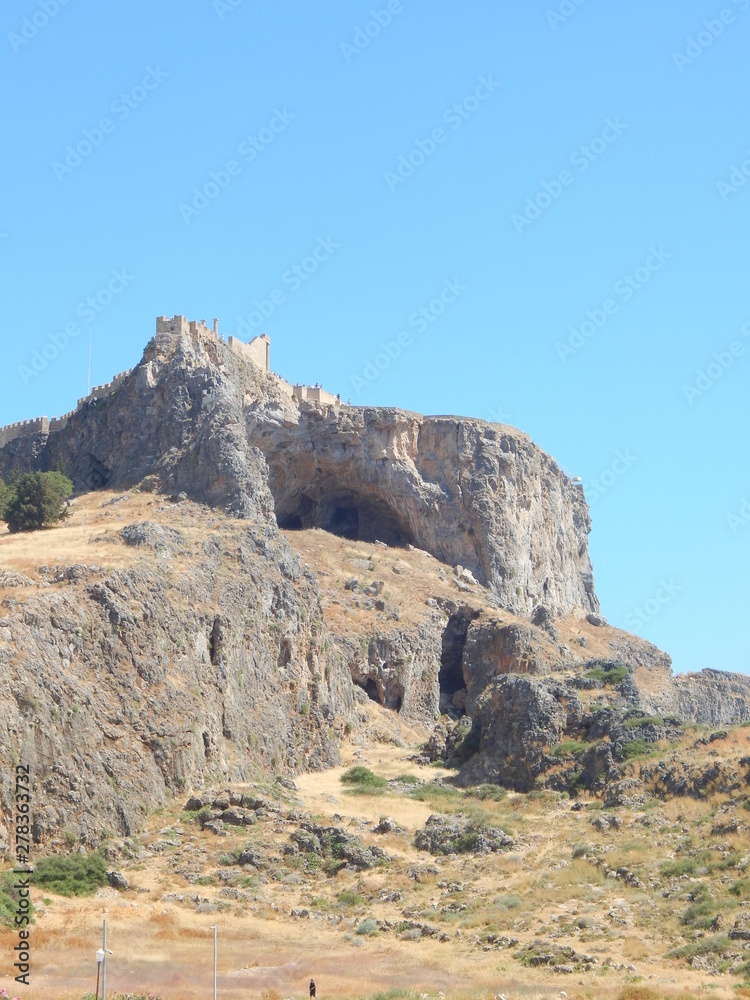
(258, 351)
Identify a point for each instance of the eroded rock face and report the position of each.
(195, 417)
(714, 697)
(519, 718)
(468, 492)
(122, 687)
(398, 668)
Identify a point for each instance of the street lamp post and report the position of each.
(99, 960)
(104, 960)
(215, 930)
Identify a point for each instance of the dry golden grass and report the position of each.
(538, 889)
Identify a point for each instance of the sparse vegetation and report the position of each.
(71, 874)
(35, 500)
(364, 781)
(612, 675)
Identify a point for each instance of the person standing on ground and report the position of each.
(312, 987)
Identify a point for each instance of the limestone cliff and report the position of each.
(195, 417)
(188, 648)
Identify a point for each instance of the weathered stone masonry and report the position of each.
(258, 351)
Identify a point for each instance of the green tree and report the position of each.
(38, 501)
(6, 494)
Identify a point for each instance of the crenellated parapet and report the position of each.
(23, 428)
(43, 425)
(258, 351)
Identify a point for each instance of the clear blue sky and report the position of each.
(629, 124)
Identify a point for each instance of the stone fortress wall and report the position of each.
(258, 351)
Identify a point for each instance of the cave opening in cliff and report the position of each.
(354, 514)
(451, 674)
(373, 691)
(389, 696)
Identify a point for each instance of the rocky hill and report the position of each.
(241, 568)
(195, 417)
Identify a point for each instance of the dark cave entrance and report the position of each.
(373, 691)
(451, 674)
(358, 516)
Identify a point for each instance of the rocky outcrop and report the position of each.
(468, 492)
(519, 718)
(714, 697)
(205, 661)
(398, 668)
(194, 416)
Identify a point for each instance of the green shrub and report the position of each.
(9, 899)
(740, 888)
(349, 898)
(716, 944)
(635, 748)
(362, 779)
(38, 501)
(429, 793)
(573, 748)
(673, 869)
(612, 676)
(492, 792)
(368, 927)
(408, 779)
(508, 902)
(71, 874)
(643, 720)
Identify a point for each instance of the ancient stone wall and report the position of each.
(258, 350)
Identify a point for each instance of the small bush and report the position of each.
(508, 902)
(492, 792)
(673, 869)
(428, 793)
(611, 676)
(362, 779)
(71, 874)
(9, 899)
(408, 779)
(573, 748)
(714, 945)
(348, 898)
(643, 720)
(368, 927)
(635, 748)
